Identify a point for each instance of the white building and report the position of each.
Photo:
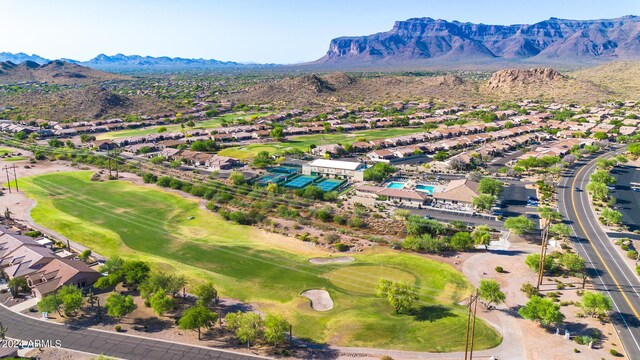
(335, 168)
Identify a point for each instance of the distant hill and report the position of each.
(54, 72)
(22, 57)
(429, 41)
(120, 62)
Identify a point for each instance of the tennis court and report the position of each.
(301, 181)
(271, 178)
(330, 184)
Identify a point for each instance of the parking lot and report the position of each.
(627, 200)
(514, 199)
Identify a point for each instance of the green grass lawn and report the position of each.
(5, 151)
(206, 124)
(303, 142)
(268, 270)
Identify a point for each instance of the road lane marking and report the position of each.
(575, 210)
(606, 288)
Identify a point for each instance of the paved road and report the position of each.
(109, 344)
(609, 272)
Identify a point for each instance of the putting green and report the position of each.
(265, 269)
(368, 277)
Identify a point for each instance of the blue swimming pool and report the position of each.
(396, 185)
(425, 188)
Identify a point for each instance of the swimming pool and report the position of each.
(396, 185)
(425, 188)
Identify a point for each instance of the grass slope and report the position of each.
(265, 269)
(303, 142)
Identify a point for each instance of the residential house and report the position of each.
(461, 191)
(58, 273)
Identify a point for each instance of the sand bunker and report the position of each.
(320, 299)
(332, 260)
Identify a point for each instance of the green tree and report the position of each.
(520, 224)
(481, 235)
(205, 293)
(277, 133)
(595, 303)
(86, 138)
(85, 255)
(16, 285)
(262, 160)
(602, 176)
(119, 306)
(196, 318)
(237, 178)
(161, 303)
(400, 295)
(246, 326)
(549, 214)
(600, 135)
(575, 264)
(461, 241)
(560, 230)
(542, 310)
(50, 303)
(275, 328)
(162, 282)
(379, 172)
(490, 292)
(441, 156)
(533, 262)
(135, 273)
(71, 298)
(484, 202)
(598, 190)
(634, 149)
(490, 186)
(611, 217)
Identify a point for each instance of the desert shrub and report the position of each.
(341, 247)
(499, 269)
(118, 328)
(529, 289)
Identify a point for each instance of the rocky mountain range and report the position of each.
(553, 40)
(128, 62)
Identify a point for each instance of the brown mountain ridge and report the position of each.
(54, 72)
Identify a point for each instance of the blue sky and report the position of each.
(277, 31)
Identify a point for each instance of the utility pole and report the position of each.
(115, 151)
(6, 168)
(543, 253)
(109, 160)
(15, 177)
(471, 325)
